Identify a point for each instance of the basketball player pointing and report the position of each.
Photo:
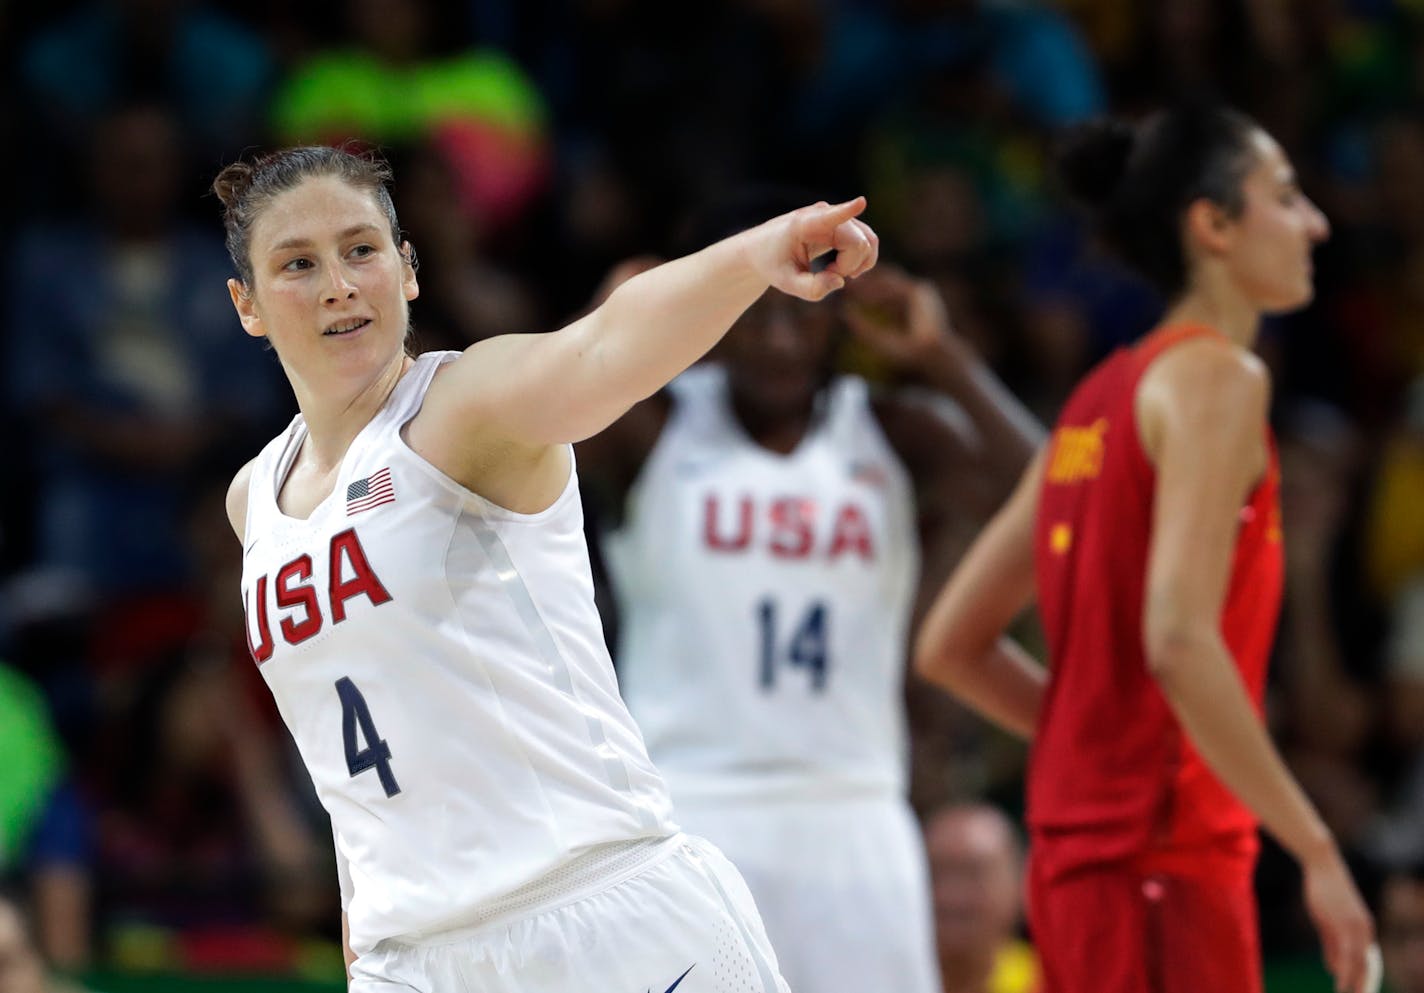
(419, 601)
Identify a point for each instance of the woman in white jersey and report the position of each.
(418, 599)
(767, 527)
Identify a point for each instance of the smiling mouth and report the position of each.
(346, 327)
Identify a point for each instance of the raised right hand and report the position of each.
(903, 319)
(787, 246)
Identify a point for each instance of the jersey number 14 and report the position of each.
(807, 647)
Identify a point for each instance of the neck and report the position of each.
(334, 417)
(1217, 303)
(778, 430)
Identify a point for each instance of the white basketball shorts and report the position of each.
(665, 916)
(841, 883)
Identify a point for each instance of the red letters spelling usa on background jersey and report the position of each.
(1112, 775)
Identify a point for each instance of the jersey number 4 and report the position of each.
(807, 647)
(355, 715)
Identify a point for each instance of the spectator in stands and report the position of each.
(22, 967)
(396, 84)
(122, 366)
(44, 827)
(210, 72)
(976, 867)
(1401, 915)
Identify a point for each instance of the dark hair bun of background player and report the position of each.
(1091, 159)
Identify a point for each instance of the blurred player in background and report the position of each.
(767, 522)
(419, 599)
(1150, 532)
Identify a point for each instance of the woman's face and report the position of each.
(778, 353)
(1269, 248)
(330, 288)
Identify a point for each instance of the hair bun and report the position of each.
(1091, 159)
(232, 183)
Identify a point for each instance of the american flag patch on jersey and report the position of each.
(372, 491)
(869, 473)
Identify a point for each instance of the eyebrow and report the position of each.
(350, 232)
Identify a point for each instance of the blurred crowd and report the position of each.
(152, 812)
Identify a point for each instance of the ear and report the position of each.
(409, 285)
(1209, 226)
(246, 309)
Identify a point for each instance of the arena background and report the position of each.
(153, 816)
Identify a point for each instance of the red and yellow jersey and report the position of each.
(1112, 774)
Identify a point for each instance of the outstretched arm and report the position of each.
(610, 460)
(535, 390)
(496, 418)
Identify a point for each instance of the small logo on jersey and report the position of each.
(1247, 517)
(370, 492)
(1060, 538)
(1077, 453)
(869, 473)
(678, 981)
(694, 467)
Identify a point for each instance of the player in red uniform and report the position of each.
(1149, 530)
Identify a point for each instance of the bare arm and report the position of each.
(952, 498)
(963, 466)
(1200, 410)
(237, 501)
(346, 952)
(610, 460)
(904, 319)
(63, 896)
(562, 387)
(961, 645)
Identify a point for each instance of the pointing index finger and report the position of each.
(842, 212)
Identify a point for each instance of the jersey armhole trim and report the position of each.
(483, 505)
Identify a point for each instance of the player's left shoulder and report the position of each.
(236, 499)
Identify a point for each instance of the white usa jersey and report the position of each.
(764, 601)
(441, 665)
